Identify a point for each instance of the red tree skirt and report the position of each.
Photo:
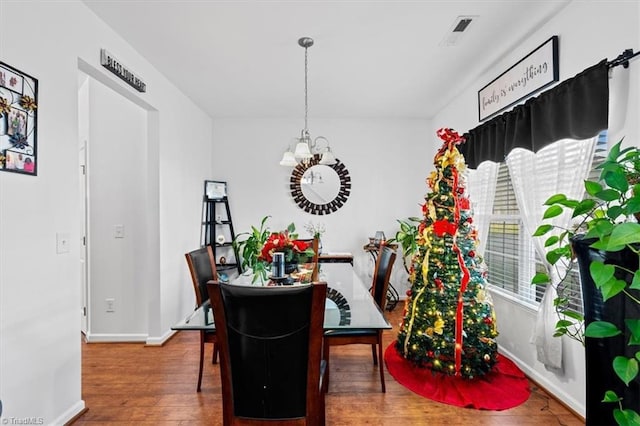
(504, 387)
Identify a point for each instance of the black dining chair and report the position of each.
(202, 267)
(270, 342)
(373, 337)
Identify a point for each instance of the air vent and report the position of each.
(456, 31)
(462, 25)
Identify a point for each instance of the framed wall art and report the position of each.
(18, 121)
(215, 190)
(531, 74)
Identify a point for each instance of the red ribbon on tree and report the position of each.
(463, 285)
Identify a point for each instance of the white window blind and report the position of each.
(509, 248)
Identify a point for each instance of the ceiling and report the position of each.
(371, 59)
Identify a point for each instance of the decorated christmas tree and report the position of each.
(449, 324)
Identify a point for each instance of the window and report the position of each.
(510, 253)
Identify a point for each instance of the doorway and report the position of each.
(114, 180)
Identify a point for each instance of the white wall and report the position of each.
(388, 161)
(39, 290)
(588, 32)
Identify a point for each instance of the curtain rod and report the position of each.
(623, 59)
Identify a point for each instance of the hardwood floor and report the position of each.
(132, 384)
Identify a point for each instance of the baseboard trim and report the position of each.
(71, 414)
(558, 394)
(558, 400)
(115, 338)
(160, 341)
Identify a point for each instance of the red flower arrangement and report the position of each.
(286, 243)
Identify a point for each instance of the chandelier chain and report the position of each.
(306, 103)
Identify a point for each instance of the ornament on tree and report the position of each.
(449, 323)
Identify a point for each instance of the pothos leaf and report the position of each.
(601, 329)
(634, 326)
(551, 240)
(608, 195)
(592, 187)
(572, 314)
(610, 396)
(540, 278)
(585, 206)
(601, 273)
(623, 234)
(552, 211)
(625, 368)
(626, 417)
(617, 180)
(611, 288)
(635, 283)
(555, 199)
(542, 229)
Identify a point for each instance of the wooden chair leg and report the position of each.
(201, 362)
(384, 389)
(325, 355)
(214, 357)
(375, 355)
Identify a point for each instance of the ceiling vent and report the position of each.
(458, 29)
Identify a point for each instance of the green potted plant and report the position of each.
(606, 244)
(249, 245)
(407, 236)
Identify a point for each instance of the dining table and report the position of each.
(349, 303)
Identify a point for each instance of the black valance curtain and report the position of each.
(577, 108)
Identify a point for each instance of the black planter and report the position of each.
(600, 353)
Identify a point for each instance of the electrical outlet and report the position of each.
(118, 231)
(110, 305)
(62, 242)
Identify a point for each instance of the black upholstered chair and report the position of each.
(202, 267)
(373, 337)
(270, 352)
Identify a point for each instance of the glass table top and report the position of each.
(348, 305)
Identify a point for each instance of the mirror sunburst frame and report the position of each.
(295, 185)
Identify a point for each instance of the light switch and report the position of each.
(119, 231)
(62, 242)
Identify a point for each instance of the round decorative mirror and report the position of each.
(320, 189)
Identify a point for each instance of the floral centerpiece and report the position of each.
(286, 242)
(258, 246)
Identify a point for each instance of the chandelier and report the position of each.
(306, 147)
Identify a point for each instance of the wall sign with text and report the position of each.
(116, 67)
(18, 121)
(531, 74)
